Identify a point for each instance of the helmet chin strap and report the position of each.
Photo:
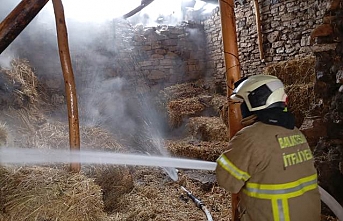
(245, 110)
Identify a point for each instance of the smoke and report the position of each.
(6, 58)
(96, 43)
(160, 12)
(103, 97)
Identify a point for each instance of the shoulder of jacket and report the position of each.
(254, 127)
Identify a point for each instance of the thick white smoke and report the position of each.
(94, 40)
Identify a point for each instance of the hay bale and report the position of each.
(300, 98)
(179, 109)
(298, 76)
(208, 129)
(180, 91)
(115, 181)
(55, 135)
(218, 101)
(202, 150)
(295, 71)
(39, 193)
(20, 85)
(177, 92)
(100, 139)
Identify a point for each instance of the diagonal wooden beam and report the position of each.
(144, 4)
(17, 20)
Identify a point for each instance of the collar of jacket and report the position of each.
(249, 120)
(272, 117)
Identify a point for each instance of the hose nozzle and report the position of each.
(197, 202)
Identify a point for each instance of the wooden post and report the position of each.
(62, 37)
(258, 25)
(228, 22)
(229, 34)
(17, 20)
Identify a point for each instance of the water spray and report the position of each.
(27, 156)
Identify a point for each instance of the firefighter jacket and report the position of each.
(272, 169)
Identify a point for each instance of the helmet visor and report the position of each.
(236, 97)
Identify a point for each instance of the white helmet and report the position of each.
(260, 92)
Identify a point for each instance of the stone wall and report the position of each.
(328, 110)
(286, 29)
(214, 52)
(158, 57)
(148, 58)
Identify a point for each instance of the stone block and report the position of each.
(156, 75)
(160, 51)
(166, 62)
(313, 128)
(156, 56)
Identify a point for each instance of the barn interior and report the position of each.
(151, 78)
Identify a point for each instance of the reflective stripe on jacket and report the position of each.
(272, 169)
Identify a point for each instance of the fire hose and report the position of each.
(335, 207)
(199, 204)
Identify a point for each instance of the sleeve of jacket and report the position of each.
(234, 166)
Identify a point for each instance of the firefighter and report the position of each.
(269, 163)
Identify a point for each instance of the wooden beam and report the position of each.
(73, 117)
(258, 25)
(144, 4)
(233, 74)
(17, 20)
(232, 64)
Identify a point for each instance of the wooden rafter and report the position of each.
(144, 4)
(17, 21)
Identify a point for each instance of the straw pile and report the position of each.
(179, 109)
(115, 181)
(224, 113)
(201, 150)
(207, 129)
(3, 135)
(296, 71)
(55, 135)
(218, 101)
(20, 84)
(301, 96)
(182, 101)
(298, 76)
(170, 98)
(40, 193)
(180, 91)
(156, 197)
